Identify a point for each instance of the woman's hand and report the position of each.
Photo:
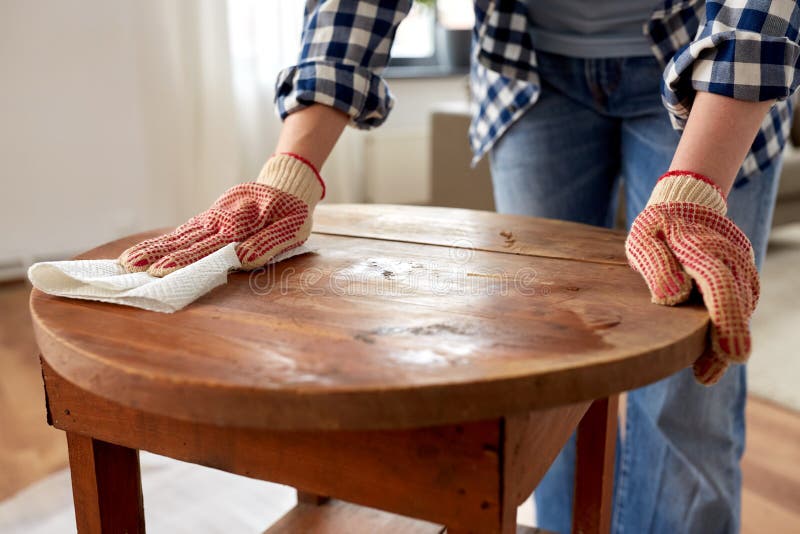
(266, 217)
(682, 236)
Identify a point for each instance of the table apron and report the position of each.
(469, 476)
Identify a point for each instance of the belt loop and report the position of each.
(591, 73)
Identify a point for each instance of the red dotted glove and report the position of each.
(266, 217)
(681, 236)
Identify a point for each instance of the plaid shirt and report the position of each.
(745, 49)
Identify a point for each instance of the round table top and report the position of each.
(401, 317)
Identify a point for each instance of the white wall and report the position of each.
(393, 160)
(75, 167)
(399, 159)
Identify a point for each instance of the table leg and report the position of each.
(468, 476)
(106, 486)
(594, 472)
(306, 497)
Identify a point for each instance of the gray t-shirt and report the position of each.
(591, 28)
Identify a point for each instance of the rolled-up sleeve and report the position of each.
(345, 48)
(745, 49)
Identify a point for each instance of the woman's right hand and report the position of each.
(266, 217)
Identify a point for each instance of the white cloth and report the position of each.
(108, 281)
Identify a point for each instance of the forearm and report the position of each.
(717, 136)
(312, 133)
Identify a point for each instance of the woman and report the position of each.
(569, 98)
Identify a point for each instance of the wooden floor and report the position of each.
(29, 449)
(771, 467)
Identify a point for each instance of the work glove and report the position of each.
(681, 236)
(266, 217)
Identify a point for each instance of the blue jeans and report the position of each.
(599, 125)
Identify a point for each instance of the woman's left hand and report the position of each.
(683, 235)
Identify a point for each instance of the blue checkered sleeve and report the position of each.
(345, 47)
(745, 49)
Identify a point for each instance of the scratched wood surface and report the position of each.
(473, 229)
(385, 326)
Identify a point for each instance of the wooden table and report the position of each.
(426, 362)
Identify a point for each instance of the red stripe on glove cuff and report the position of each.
(697, 176)
(311, 166)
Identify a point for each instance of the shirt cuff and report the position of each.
(354, 90)
(739, 64)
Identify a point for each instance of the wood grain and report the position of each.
(106, 486)
(594, 471)
(374, 333)
(29, 449)
(449, 475)
(469, 476)
(337, 517)
(771, 469)
(473, 230)
(532, 441)
(771, 443)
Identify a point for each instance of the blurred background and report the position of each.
(122, 116)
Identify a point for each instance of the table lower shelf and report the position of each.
(336, 517)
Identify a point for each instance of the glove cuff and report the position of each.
(685, 186)
(295, 175)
